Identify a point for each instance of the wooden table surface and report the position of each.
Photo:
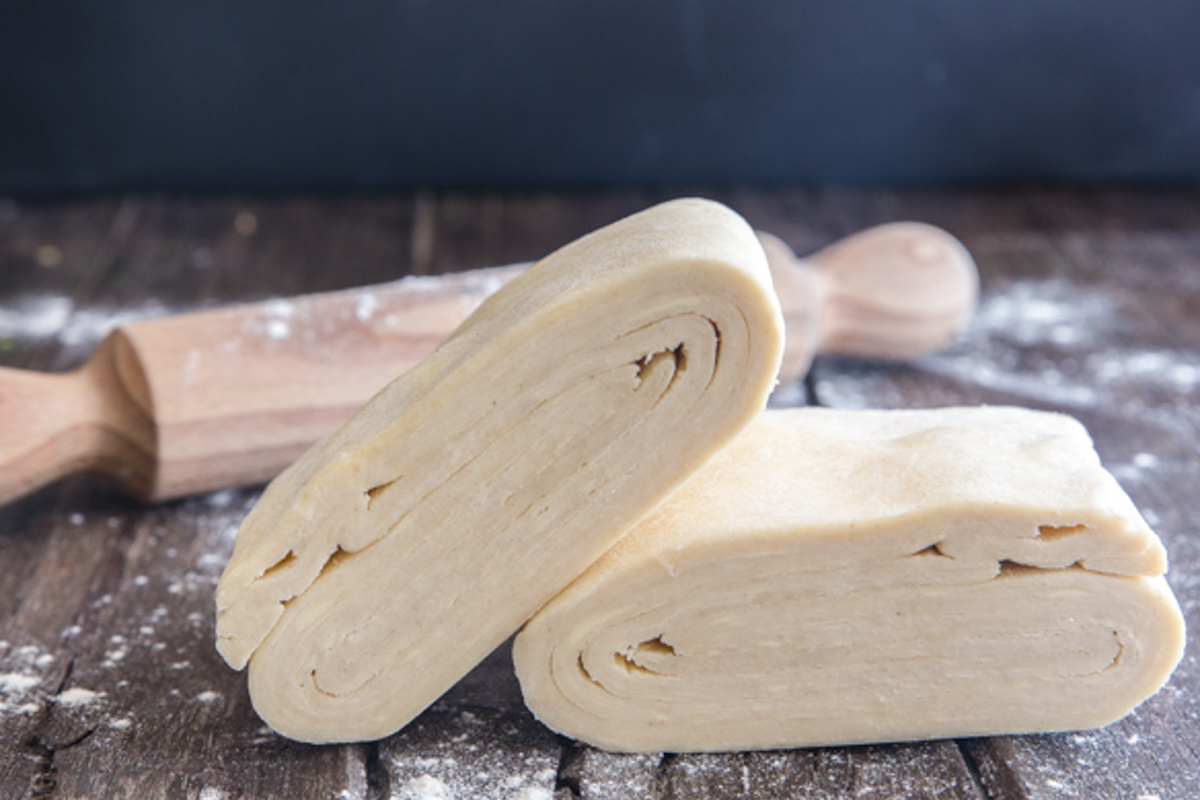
(109, 683)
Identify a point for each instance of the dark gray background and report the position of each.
(258, 94)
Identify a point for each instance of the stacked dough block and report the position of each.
(840, 577)
(396, 554)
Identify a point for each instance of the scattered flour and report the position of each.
(1047, 342)
(34, 317)
(611, 776)
(23, 678)
(221, 499)
(40, 317)
(277, 329)
(211, 561)
(484, 755)
(533, 793)
(75, 697)
(87, 326)
(14, 683)
(111, 657)
(161, 636)
(271, 319)
(1059, 343)
(425, 787)
(366, 306)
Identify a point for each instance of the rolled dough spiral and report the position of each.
(396, 554)
(841, 577)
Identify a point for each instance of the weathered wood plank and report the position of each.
(149, 689)
(471, 752)
(926, 770)
(57, 607)
(591, 774)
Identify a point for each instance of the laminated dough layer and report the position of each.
(396, 554)
(843, 577)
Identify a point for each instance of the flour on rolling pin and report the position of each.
(417, 306)
(39, 317)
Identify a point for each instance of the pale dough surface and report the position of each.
(396, 554)
(840, 577)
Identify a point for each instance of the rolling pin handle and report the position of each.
(895, 291)
(56, 424)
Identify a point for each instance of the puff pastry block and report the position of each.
(400, 551)
(840, 577)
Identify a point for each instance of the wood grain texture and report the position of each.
(925, 770)
(110, 682)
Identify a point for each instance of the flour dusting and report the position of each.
(89, 325)
(366, 306)
(42, 317)
(613, 776)
(24, 673)
(159, 624)
(15, 683)
(34, 316)
(1050, 342)
(482, 754)
(75, 697)
(1060, 343)
(426, 787)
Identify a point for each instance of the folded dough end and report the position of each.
(397, 553)
(840, 577)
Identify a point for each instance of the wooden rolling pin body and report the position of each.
(201, 401)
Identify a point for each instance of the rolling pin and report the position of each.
(207, 400)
